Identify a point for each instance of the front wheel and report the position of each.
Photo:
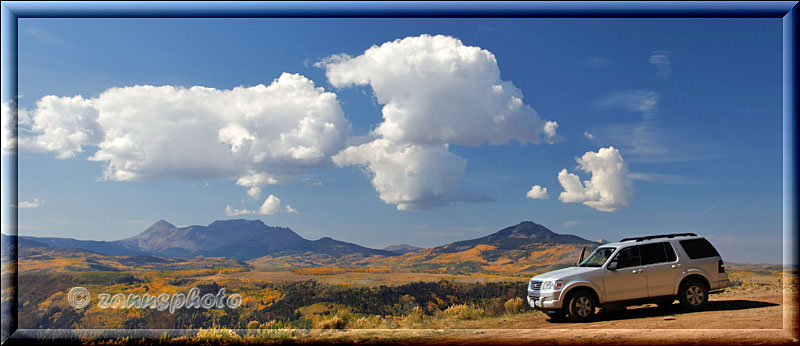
(693, 295)
(581, 306)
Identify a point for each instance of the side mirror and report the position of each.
(612, 266)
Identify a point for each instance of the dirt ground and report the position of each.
(757, 316)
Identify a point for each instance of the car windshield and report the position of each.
(598, 257)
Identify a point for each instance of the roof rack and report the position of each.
(673, 235)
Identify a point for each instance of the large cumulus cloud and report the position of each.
(260, 135)
(435, 91)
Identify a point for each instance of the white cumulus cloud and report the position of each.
(411, 176)
(537, 192)
(435, 91)
(609, 189)
(261, 134)
(258, 135)
(272, 205)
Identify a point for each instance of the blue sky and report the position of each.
(692, 107)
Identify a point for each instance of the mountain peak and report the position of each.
(525, 229)
(161, 224)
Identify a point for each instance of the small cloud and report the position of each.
(33, 204)
(311, 183)
(588, 135)
(609, 188)
(537, 192)
(570, 224)
(272, 205)
(230, 211)
(254, 192)
(598, 61)
(660, 59)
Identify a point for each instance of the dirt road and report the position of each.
(744, 317)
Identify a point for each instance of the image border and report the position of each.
(12, 11)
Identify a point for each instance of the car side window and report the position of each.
(653, 253)
(628, 257)
(671, 257)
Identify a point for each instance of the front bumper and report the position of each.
(544, 300)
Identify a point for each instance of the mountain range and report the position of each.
(237, 239)
(521, 248)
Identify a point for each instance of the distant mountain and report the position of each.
(514, 238)
(523, 248)
(238, 239)
(402, 248)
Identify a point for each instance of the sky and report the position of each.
(389, 131)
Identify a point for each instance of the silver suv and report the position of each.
(653, 269)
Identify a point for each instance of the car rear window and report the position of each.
(698, 248)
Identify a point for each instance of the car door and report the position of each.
(628, 280)
(660, 263)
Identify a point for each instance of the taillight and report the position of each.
(721, 266)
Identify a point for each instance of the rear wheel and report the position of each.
(581, 306)
(693, 295)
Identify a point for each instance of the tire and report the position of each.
(581, 306)
(693, 295)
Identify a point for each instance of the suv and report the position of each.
(659, 269)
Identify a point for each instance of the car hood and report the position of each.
(564, 273)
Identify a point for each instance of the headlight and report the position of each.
(552, 285)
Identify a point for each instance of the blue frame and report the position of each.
(787, 10)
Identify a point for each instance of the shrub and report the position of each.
(271, 325)
(339, 320)
(463, 312)
(252, 325)
(513, 305)
(416, 315)
(216, 336)
(368, 322)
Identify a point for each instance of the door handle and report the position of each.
(637, 271)
(677, 265)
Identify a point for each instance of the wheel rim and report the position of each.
(695, 295)
(583, 306)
